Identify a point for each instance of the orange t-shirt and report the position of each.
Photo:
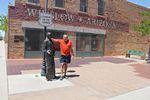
(65, 48)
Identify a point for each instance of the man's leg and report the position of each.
(65, 67)
(68, 60)
(62, 70)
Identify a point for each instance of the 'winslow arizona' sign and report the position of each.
(32, 13)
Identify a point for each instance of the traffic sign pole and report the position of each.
(43, 69)
(46, 7)
(148, 59)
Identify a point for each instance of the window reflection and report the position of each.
(89, 42)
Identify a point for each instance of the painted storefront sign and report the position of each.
(31, 13)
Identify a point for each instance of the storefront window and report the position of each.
(83, 42)
(34, 39)
(89, 42)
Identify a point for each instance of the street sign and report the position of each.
(45, 19)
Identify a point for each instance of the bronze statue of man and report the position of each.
(49, 52)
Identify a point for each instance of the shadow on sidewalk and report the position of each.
(69, 71)
(73, 75)
(142, 70)
(69, 76)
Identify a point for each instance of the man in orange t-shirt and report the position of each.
(66, 53)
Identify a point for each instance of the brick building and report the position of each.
(96, 27)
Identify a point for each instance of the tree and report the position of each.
(144, 26)
(4, 23)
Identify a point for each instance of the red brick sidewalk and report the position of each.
(142, 70)
(98, 79)
(16, 66)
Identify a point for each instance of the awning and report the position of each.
(27, 24)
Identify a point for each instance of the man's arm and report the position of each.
(55, 40)
(72, 53)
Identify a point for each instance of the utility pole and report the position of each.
(148, 59)
(46, 8)
(43, 70)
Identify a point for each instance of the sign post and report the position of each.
(45, 20)
(46, 8)
(148, 59)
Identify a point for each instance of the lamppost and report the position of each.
(46, 19)
(46, 8)
(148, 59)
(43, 69)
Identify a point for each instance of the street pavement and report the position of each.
(92, 78)
(141, 94)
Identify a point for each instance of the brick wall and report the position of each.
(15, 49)
(116, 43)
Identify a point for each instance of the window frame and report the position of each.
(33, 3)
(86, 5)
(101, 8)
(59, 6)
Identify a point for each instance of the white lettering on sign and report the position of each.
(67, 17)
(32, 12)
(45, 19)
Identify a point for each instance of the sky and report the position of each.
(4, 4)
(145, 3)
(4, 10)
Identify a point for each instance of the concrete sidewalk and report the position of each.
(102, 79)
(32, 83)
(3, 73)
(141, 94)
